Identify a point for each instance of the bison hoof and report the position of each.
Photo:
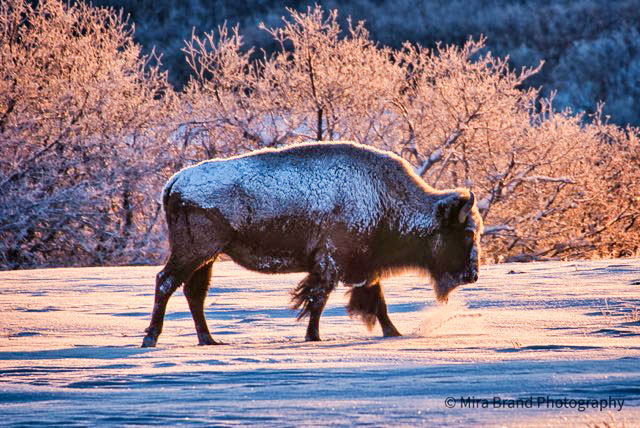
(206, 341)
(149, 342)
(312, 338)
(391, 332)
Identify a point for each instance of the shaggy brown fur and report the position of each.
(340, 212)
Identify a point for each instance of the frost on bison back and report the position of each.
(342, 212)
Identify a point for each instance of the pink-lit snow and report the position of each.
(69, 350)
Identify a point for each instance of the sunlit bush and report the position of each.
(590, 47)
(549, 185)
(82, 144)
(90, 130)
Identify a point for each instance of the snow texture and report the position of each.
(69, 350)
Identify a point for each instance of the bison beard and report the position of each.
(341, 212)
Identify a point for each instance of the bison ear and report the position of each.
(454, 209)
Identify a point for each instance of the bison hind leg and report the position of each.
(167, 281)
(195, 290)
(196, 237)
(368, 304)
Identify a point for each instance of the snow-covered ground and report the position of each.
(69, 351)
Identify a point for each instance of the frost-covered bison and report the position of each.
(342, 212)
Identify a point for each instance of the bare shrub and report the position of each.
(83, 150)
(88, 132)
(317, 86)
(550, 185)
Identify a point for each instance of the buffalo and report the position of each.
(342, 212)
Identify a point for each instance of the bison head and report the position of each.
(456, 242)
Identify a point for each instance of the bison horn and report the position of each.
(466, 209)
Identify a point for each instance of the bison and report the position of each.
(342, 212)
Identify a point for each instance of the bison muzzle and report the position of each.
(341, 212)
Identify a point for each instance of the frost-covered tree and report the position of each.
(82, 142)
(90, 129)
(589, 47)
(459, 115)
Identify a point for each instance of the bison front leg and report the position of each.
(312, 293)
(367, 302)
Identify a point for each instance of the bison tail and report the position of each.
(167, 189)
